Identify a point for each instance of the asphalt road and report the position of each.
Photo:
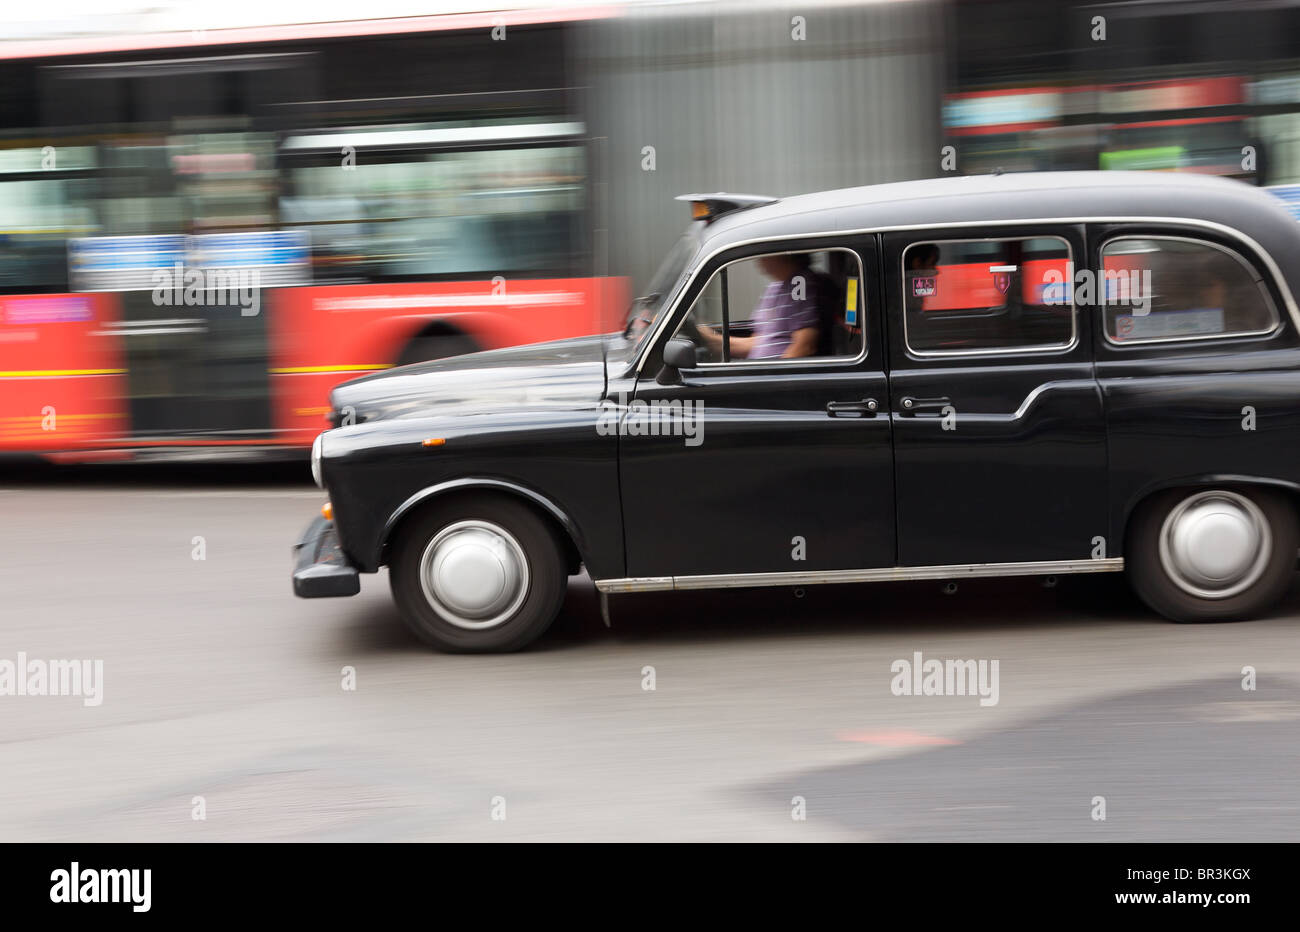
(219, 684)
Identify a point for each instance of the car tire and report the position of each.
(478, 574)
(1212, 554)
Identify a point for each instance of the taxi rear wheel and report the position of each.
(1212, 554)
(477, 574)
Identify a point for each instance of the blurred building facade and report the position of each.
(756, 98)
(1207, 86)
(385, 179)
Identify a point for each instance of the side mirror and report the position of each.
(678, 354)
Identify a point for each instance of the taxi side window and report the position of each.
(780, 307)
(1158, 289)
(991, 294)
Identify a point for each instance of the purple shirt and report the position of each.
(779, 314)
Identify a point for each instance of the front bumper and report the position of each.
(320, 569)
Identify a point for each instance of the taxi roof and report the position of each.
(1029, 196)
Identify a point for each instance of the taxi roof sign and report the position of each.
(708, 207)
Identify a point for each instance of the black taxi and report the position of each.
(1018, 374)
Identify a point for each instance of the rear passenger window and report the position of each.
(1180, 289)
(965, 296)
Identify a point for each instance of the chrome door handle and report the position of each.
(911, 405)
(867, 407)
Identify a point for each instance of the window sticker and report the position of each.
(1195, 322)
(1002, 276)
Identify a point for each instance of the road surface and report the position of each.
(771, 715)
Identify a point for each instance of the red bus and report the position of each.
(201, 234)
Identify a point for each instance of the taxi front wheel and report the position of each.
(477, 574)
(1212, 554)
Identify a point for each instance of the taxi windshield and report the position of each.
(645, 310)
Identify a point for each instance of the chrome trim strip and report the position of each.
(1046, 387)
(1033, 396)
(883, 574)
(1221, 228)
(636, 584)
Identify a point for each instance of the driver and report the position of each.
(787, 322)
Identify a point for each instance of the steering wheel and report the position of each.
(691, 329)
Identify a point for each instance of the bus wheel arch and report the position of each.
(436, 339)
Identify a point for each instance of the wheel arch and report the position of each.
(570, 534)
(440, 327)
(1290, 489)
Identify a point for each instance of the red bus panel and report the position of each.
(62, 381)
(326, 334)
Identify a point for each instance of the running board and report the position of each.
(885, 574)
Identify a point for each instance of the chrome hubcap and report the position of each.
(474, 574)
(1215, 544)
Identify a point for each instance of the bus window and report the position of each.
(435, 215)
(189, 182)
(45, 197)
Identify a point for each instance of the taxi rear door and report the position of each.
(999, 434)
